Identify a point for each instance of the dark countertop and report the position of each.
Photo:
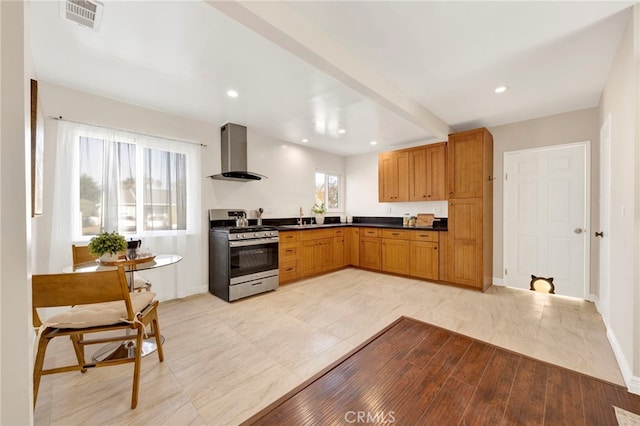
(359, 225)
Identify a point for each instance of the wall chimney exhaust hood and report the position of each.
(233, 144)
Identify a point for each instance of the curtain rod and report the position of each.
(60, 118)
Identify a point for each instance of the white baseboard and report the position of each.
(632, 382)
(498, 281)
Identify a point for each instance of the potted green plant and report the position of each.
(107, 245)
(319, 210)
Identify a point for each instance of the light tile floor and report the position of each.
(226, 361)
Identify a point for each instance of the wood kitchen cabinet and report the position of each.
(317, 252)
(395, 251)
(470, 163)
(465, 256)
(469, 243)
(340, 258)
(393, 176)
(289, 256)
(427, 173)
(370, 249)
(425, 255)
(353, 246)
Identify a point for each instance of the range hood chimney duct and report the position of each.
(233, 144)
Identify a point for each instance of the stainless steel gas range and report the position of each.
(243, 260)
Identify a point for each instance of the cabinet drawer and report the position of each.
(288, 236)
(288, 252)
(340, 232)
(369, 232)
(288, 271)
(316, 234)
(425, 236)
(397, 234)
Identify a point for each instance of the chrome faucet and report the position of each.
(300, 222)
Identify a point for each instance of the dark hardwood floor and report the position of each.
(413, 373)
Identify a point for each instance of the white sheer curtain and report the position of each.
(67, 220)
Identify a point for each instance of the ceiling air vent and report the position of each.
(84, 12)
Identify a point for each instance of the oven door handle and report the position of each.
(255, 242)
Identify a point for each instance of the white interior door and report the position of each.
(605, 203)
(545, 217)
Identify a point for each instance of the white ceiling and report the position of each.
(394, 72)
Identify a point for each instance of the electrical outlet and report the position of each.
(268, 210)
(388, 210)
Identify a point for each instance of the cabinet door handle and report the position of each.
(435, 248)
(289, 269)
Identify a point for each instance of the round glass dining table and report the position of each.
(139, 264)
(127, 349)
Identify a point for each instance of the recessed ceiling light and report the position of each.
(500, 89)
(373, 143)
(232, 94)
(305, 140)
(342, 131)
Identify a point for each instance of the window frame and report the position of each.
(141, 143)
(340, 177)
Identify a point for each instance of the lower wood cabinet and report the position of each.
(425, 255)
(289, 256)
(316, 255)
(464, 258)
(353, 246)
(340, 259)
(370, 249)
(395, 251)
(399, 251)
(424, 260)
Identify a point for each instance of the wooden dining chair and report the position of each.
(81, 254)
(98, 301)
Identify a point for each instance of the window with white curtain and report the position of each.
(110, 183)
(127, 182)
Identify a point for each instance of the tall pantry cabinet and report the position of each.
(468, 245)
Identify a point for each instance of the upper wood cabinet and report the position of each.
(415, 174)
(393, 176)
(470, 163)
(427, 173)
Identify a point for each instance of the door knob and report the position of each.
(578, 230)
(600, 234)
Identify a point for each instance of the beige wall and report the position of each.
(575, 126)
(16, 354)
(620, 100)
